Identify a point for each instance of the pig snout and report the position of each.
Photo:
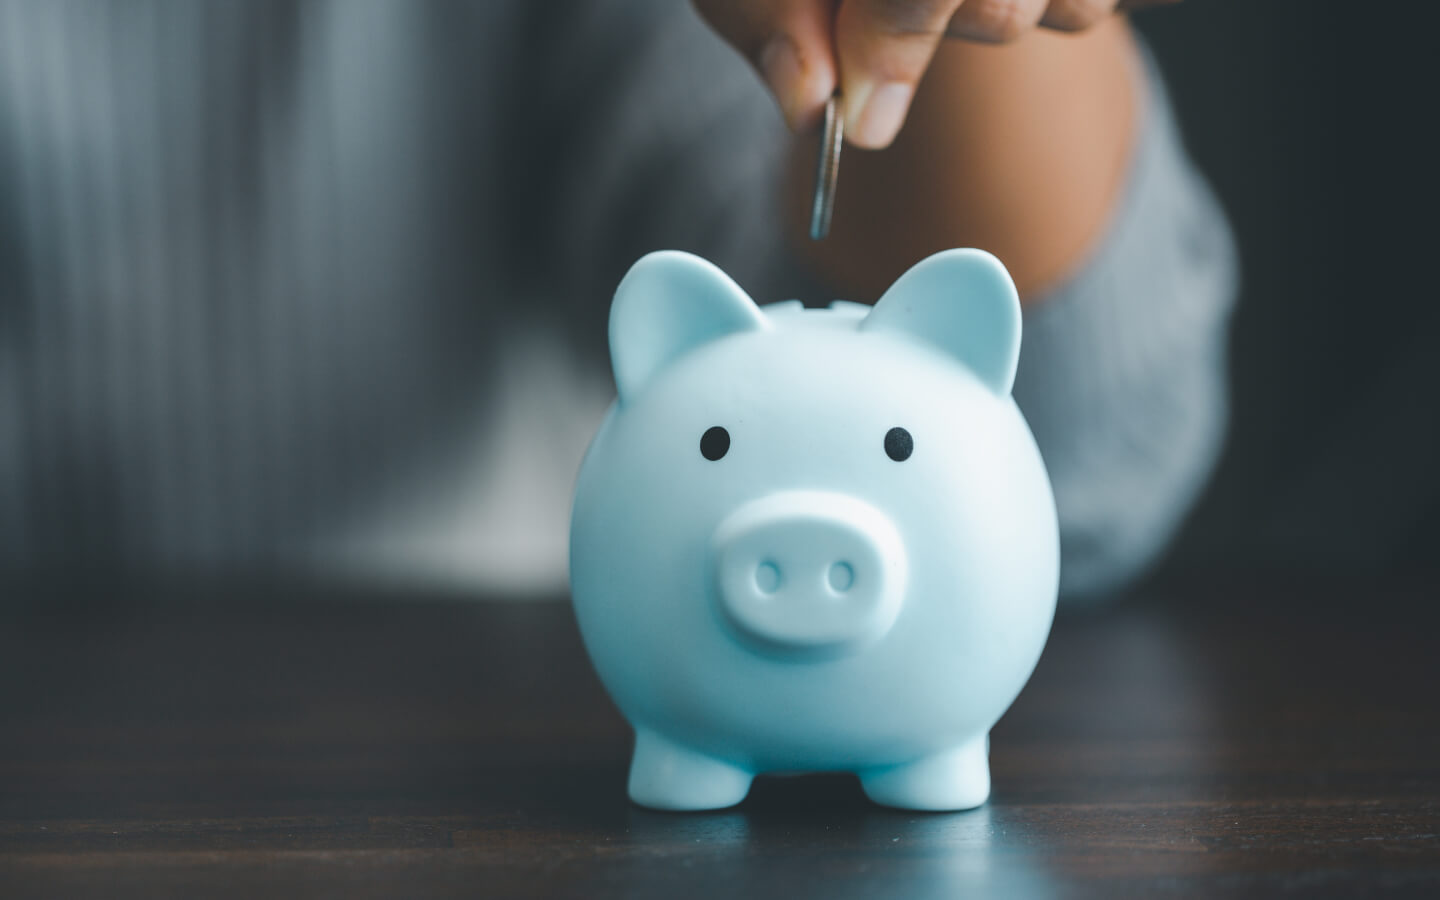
(809, 571)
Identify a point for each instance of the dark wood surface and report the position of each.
(1244, 736)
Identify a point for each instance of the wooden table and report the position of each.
(1249, 736)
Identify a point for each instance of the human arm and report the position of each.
(1019, 146)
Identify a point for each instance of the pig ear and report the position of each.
(963, 302)
(669, 303)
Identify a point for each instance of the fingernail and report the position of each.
(780, 64)
(879, 113)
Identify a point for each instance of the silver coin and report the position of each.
(827, 170)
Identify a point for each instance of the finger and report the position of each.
(1076, 15)
(884, 48)
(995, 21)
(788, 42)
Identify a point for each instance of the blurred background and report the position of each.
(1312, 120)
(1307, 117)
(1308, 120)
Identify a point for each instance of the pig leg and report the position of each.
(958, 778)
(665, 775)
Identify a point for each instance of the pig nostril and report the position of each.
(767, 577)
(841, 577)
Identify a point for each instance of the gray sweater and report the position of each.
(323, 284)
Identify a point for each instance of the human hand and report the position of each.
(876, 51)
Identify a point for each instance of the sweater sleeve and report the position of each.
(1122, 369)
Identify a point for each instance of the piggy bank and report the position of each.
(814, 540)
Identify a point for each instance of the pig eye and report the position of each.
(899, 444)
(714, 443)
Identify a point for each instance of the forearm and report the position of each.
(1019, 149)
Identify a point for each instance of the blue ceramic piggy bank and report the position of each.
(814, 540)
